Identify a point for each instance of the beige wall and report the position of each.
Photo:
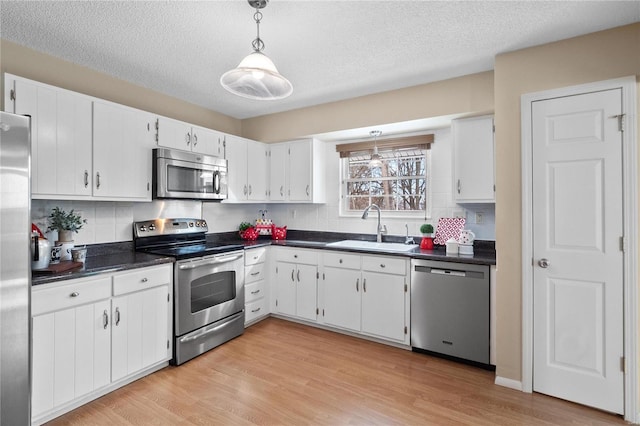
(28, 63)
(468, 94)
(594, 57)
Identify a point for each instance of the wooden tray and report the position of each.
(56, 268)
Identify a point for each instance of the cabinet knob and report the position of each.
(382, 265)
(340, 261)
(75, 294)
(144, 280)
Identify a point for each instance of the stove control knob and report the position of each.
(197, 224)
(204, 223)
(143, 228)
(152, 227)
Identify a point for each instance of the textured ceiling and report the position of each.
(329, 50)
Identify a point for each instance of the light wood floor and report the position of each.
(282, 373)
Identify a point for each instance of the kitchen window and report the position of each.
(400, 186)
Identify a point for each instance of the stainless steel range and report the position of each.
(208, 283)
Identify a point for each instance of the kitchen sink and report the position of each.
(372, 245)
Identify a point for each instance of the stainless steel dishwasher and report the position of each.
(450, 309)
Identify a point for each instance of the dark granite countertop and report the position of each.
(484, 251)
(103, 258)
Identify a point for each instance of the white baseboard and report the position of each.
(508, 383)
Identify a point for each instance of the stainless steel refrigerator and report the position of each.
(15, 270)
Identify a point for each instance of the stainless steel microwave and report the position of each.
(188, 175)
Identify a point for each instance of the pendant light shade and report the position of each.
(256, 77)
(376, 160)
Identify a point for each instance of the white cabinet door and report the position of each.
(122, 141)
(236, 153)
(286, 299)
(383, 305)
(71, 354)
(300, 169)
(206, 141)
(306, 292)
(174, 134)
(139, 331)
(279, 162)
(257, 167)
(342, 298)
(60, 137)
(473, 160)
(74, 145)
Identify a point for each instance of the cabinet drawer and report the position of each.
(384, 264)
(253, 291)
(309, 257)
(253, 273)
(256, 255)
(342, 260)
(140, 279)
(69, 295)
(254, 310)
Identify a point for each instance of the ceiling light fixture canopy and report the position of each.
(256, 77)
(376, 160)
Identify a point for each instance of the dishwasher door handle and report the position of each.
(448, 272)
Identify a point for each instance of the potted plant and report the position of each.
(65, 223)
(247, 231)
(427, 236)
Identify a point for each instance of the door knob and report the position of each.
(543, 263)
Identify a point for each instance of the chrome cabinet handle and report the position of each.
(543, 263)
(292, 272)
(105, 319)
(255, 310)
(364, 285)
(255, 273)
(75, 294)
(281, 190)
(357, 284)
(298, 275)
(98, 180)
(249, 189)
(459, 186)
(117, 316)
(187, 138)
(245, 190)
(382, 265)
(86, 178)
(307, 190)
(255, 292)
(340, 260)
(195, 139)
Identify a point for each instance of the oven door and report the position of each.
(207, 290)
(184, 179)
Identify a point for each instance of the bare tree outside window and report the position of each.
(400, 184)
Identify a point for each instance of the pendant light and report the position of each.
(376, 160)
(256, 77)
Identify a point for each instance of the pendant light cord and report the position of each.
(258, 44)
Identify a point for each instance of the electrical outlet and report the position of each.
(479, 218)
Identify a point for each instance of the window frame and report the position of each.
(408, 214)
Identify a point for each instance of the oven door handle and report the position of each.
(206, 331)
(206, 262)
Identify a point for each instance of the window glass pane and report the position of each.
(358, 203)
(358, 188)
(359, 170)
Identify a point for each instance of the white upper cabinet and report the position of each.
(180, 135)
(247, 169)
(473, 158)
(297, 171)
(60, 136)
(122, 142)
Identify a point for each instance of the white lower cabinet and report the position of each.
(92, 335)
(296, 283)
(255, 287)
(367, 294)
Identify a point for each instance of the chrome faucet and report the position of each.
(408, 239)
(380, 229)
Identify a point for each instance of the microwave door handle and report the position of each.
(207, 262)
(216, 182)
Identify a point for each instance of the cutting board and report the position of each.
(56, 268)
(449, 227)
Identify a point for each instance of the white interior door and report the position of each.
(578, 262)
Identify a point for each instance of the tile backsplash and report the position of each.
(112, 221)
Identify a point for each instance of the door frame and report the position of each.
(630, 229)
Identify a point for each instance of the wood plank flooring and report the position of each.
(283, 373)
